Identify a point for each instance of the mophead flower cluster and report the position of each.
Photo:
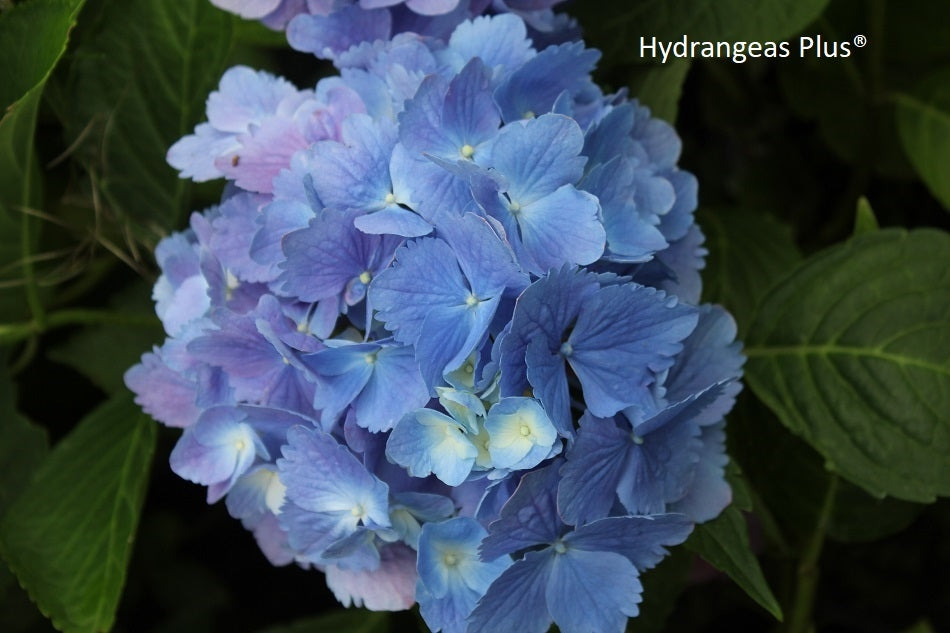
(441, 338)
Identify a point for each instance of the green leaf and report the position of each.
(790, 479)
(852, 352)
(253, 32)
(22, 446)
(69, 536)
(348, 621)
(103, 353)
(724, 544)
(617, 30)
(864, 219)
(923, 122)
(857, 517)
(32, 38)
(139, 78)
(660, 87)
(748, 252)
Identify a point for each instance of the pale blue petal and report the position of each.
(561, 228)
(500, 41)
(428, 442)
(538, 156)
(393, 220)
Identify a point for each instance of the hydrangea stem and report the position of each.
(800, 613)
(29, 277)
(13, 332)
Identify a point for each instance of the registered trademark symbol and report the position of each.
(860, 41)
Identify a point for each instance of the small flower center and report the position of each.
(365, 277)
(514, 207)
(467, 151)
(450, 560)
(525, 430)
(370, 358)
(240, 445)
(528, 114)
(637, 439)
(357, 510)
(471, 300)
(559, 546)
(389, 199)
(566, 349)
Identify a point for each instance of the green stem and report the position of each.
(800, 613)
(13, 332)
(770, 526)
(29, 277)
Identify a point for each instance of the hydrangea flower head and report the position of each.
(441, 338)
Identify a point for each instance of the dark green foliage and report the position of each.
(840, 441)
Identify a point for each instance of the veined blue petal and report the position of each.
(532, 89)
(516, 600)
(329, 254)
(425, 275)
(538, 156)
(710, 355)
(581, 599)
(641, 540)
(529, 517)
(560, 228)
(394, 388)
(354, 173)
(709, 492)
(624, 334)
(595, 464)
(543, 311)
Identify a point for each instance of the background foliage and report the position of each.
(825, 191)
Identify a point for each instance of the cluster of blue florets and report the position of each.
(442, 339)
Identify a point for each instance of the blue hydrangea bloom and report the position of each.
(442, 338)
